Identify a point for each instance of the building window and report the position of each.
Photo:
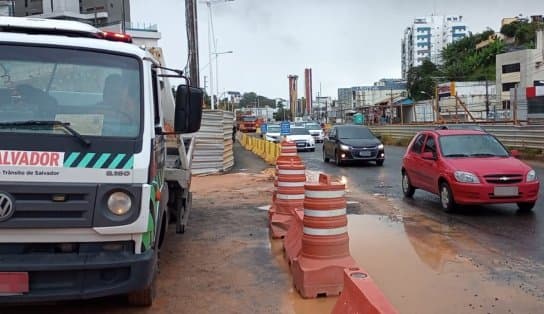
(507, 86)
(506, 105)
(511, 68)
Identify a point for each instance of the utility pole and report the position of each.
(486, 99)
(124, 18)
(192, 41)
(391, 107)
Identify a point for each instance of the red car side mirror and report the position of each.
(515, 153)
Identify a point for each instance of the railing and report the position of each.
(267, 150)
(510, 135)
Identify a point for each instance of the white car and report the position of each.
(316, 131)
(303, 139)
(273, 133)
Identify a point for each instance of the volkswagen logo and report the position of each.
(6, 207)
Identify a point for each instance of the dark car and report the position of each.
(352, 143)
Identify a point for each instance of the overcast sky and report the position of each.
(345, 42)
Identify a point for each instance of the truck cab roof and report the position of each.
(65, 33)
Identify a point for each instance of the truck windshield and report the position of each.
(249, 119)
(96, 93)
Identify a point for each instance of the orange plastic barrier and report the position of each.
(292, 243)
(319, 269)
(288, 197)
(361, 295)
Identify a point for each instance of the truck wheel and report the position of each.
(146, 296)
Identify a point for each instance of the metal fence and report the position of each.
(214, 149)
(510, 135)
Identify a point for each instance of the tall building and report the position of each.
(426, 38)
(96, 12)
(308, 90)
(293, 96)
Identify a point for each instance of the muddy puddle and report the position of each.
(417, 266)
(419, 269)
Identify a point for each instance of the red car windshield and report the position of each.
(472, 145)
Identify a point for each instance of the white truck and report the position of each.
(87, 180)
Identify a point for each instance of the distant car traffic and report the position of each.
(467, 167)
(316, 131)
(303, 139)
(352, 143)
(272, 133)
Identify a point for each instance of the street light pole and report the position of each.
(210, 23)
(211, 41)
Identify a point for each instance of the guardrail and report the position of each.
(267, 150)
(510, 135)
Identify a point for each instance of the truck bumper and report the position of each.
(56, 277)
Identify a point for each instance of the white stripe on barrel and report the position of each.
(291, 184)
(325, 232)
(290, 196)
(325, 194)
(324, 213)
(283, 171)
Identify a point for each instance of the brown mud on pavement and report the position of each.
(427, 266)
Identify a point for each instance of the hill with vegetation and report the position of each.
(471, 58)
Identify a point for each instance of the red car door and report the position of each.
(429, 168)
(412, 160)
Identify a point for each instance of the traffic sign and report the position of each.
(285, 128)
(263, 128)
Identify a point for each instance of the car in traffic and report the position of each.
(272, 133)
(352, 143)
(316, 131)
(301, 136)
(467, 167)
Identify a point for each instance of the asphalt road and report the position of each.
(500, 228)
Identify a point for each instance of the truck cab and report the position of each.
(86, 189)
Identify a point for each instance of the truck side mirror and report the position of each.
(188, 111)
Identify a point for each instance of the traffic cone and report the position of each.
(319, 269)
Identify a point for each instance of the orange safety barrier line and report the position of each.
(361, 295)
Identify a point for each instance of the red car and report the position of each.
(467, 167)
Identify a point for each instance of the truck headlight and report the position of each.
(466, 177)
(344, 147)
(531, 176)
(119, 203)
(380, 147)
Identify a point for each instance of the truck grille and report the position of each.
(50, 205)
(503, 178)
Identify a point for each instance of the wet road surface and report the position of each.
(491, 248)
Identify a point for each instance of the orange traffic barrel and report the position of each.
(361, 295)
(318, 270)
(288, 196)
(288, 150)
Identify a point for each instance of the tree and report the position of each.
(251, 100)
(422, 79)
(282, 114)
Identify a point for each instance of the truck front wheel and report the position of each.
(146, 296)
